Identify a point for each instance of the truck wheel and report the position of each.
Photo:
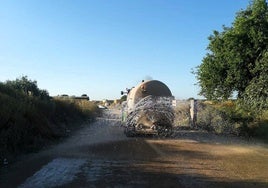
(164, 132)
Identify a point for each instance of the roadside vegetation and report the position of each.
(30, 118)
(224, 117)
(182, 114)
(236, 67)
(230, 118)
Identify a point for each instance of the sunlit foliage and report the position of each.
(237, 59)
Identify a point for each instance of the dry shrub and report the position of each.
(212, 119)
(226, 118)
(182, 114)
(28, 122)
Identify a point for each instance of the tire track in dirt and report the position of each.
(100, 155)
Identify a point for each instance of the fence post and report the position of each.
(193, 112)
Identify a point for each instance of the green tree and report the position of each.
(256, 94)
(236, 62)
(28, 87)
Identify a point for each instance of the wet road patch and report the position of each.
(58, 172)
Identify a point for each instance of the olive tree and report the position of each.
(237, 59)
(28, 87)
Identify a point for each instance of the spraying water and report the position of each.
(148, 109)
(152, 114)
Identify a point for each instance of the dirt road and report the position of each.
(100, 155)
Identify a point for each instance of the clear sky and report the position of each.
(101, 47)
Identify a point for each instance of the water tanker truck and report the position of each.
(148, 109)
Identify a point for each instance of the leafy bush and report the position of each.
(262, 130)
(29, 117)
(27, 87)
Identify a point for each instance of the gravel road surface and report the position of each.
(100, 155)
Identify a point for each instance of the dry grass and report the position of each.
(230, 118)
(29, 122)
(182, 114)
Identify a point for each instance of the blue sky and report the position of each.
(101, 47)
